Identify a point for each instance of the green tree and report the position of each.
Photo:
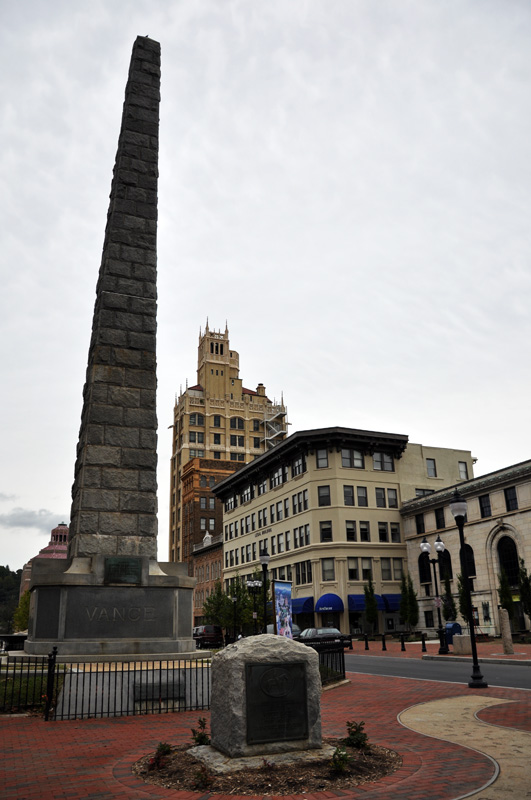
(449, 609)
(21, 615)
(524, 588)
(462, 598)
(9, 589)
(412, 603)
(217, 608)
(371, 607)
(505, 594)
(404, 602)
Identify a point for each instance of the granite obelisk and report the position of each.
(113, 597)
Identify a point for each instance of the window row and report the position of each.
(355, 459)
(387, 531)
(485, 510)
(236, 423)
(269, 514)
(384, 498)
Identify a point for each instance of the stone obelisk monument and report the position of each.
(113, 598)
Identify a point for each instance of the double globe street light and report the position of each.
(425, 546)
(254, 589)
(264, 561)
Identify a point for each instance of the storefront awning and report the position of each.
(329, 602)
(356, 602)
(301, 605)
(392, 602)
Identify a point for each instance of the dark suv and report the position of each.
(208, 636)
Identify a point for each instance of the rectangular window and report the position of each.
(397, 569)
(419, 523)
(202, 503)
(278, 477)
(366, 568)
(305, 500)
(439, 518)
(463, 470)
(217, 438)
(431, 468)
(383, 532)
(385, 564)
(298, 466)
(325, 528)
(248, 552)
(362, 496)
(262, 487)
(383, 461)
(323, 495)
(395, 532)
(511, 500)
(254, 551)
(351, 530)
(217, 421)
(211, 503)
(352, 458)
(365, 532)
(380, 498)
(321, 459)
(211, 524)
(236, 441)
(273, 545)
(272, 513)
(286, 507)
(484, 506)
(288, 541)
(202, 523)
(279, 510)
(392, 498)
(353, 572)
(247, 523)
(247, 494)
(256, 442)
(193, 436)
(217, 454)
(423, 492)
(260, 519)
(428, 619)
(253, 521)
(256, 424)
(280, 543)
(327, 569)
(348, 495)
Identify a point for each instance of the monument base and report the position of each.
(221, 764)
(110, 606)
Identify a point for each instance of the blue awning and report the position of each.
(329, 602)
(392, 602)
(356, 602)
(301, 605)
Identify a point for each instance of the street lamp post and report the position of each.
(458, 507)
(425, 546)
(264, 561)
(254, 589)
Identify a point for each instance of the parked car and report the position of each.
(208, 636)
(296, 631)
(325, 637)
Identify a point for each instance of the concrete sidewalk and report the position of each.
(488, 652)
(483, 740)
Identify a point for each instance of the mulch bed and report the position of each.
(180, 770)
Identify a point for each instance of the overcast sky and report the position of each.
(346, 182)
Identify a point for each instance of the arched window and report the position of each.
(508, 558)
(445, 565)
(424, 568)
(470, 561)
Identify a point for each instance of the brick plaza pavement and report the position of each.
(93, 758)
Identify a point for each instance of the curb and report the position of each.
(520, 663)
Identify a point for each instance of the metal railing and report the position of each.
(102, 689)
(331, 665)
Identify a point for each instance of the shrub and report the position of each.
(340, 760)
(159, 759)
(201, 736)
(356, 736)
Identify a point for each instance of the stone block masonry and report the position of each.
(114, 503)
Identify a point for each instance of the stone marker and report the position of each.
(507, 638)
(266, 697)
(111, 597)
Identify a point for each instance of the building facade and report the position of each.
(497, 535)
(325, 504)
(217, 420)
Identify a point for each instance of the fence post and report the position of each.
(384, 646)
(402, 643)
(366, 641)
(50, 682)
(423, 640)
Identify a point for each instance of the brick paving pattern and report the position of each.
(93, 758)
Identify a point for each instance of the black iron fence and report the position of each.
(102, 689)
(117, 688)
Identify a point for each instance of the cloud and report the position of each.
(7, 497)
(43, 520)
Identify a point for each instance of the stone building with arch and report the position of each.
(497, 535)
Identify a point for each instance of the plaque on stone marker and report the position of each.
(276, 702)
(123, 570)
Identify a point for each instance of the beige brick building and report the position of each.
(325, 503)
(216, 420)
(497, 533)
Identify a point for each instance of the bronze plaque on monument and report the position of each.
(276, 702)
(123, 570)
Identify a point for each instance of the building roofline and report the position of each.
(308, 441)
(506, 475)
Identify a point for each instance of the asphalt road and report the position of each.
(512, 676)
